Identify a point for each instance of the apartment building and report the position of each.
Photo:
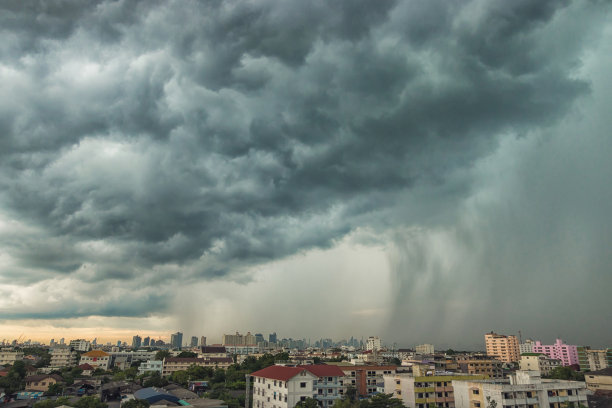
(97, 358)
(366, 378)
(8, 356)
(172, 364)
(594, 360)
(373, 343)
(283, 387)
(212, 351)
(239, 340)
(63, 357)
(424, 349)
(538, 362)
(568, 354)
(421, 391)
(502, 347)
(151, 366)
(480, 366)
(526, 347)
(526, 389)
(80, 345)
(599, 380)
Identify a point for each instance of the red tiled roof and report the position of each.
(221, 359)
(86, 367)
(276, 372)
(213, 349)
(323, 370)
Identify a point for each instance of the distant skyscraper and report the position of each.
(146, 341)
(203, 341)
(272, 338)
(194, 341)
(176, 340)
(62, 341)
(136, 341)
(259, 338)
(94, 342)
(118, 343)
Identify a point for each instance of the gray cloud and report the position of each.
(203, 138)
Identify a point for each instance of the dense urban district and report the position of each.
(252, 372)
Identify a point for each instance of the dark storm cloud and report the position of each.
(142, 137)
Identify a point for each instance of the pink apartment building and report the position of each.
(568, 354)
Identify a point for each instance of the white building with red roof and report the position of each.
(283, 387)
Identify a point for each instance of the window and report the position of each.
(330, 379)
(475, 392)
(302, 398)
(302, 385)
(275, 383)
(477, 404)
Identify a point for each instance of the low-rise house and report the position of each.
(97, 358)
(524, 389)
(600, 380)
(172, 364)
(476, 365)
(41, 382)
(88, 369)
(212, 351)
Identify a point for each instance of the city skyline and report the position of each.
(425, 171)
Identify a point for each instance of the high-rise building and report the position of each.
(62, 341)
(526, 347)
(136, 341)
(373, 343)
(259, 338)
(146, 341)
(568, 354)
(194, 341)
(272, 338)
(203, 341)
(505, 348)
(594, 360)
(176, 340)
(238, 339)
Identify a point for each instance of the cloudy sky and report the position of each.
(422, 170)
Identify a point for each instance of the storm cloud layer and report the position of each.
(150, 145)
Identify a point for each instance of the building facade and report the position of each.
(97, 358)
(525, 389)
(594, 360)
(424, 349)
(421, 391)
(151, 366)
(9, 356)
(481, 366)
(63, 357)
(568, 354)
(80, 345)
(366, 378)
(176, 340)
(599, 380)
(42, 382)
(538, 362)
(373, 343)
(502, 347)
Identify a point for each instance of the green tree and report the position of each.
(384, 401)
(90, 402)
(565, 373)
(49, 403)
(136, 403)
(491, 403)
(55, 389)
(180, 377)
(155, 380)
(307, 403)
(161, 354)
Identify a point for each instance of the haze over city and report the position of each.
(422, 171)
